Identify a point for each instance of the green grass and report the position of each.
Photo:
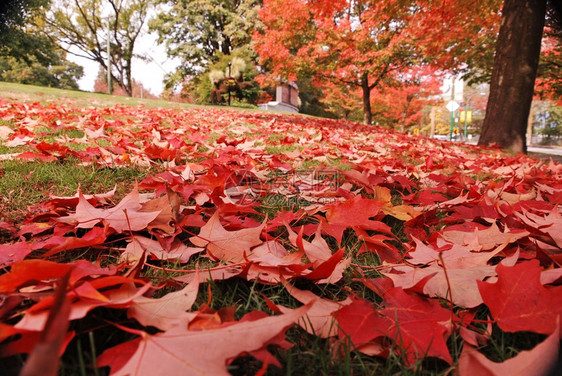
(279, 149)
(18, 92)
(12, 150)
(26, 183)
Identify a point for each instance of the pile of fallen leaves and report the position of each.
(275, 200)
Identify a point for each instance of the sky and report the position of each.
(150, 74)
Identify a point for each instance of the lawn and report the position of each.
(138, 237)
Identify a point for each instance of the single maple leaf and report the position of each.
(458, 286)
(510, 198)
(356, 212)
(273, 253)
(377, 244)
(457, 256)
(57, 243)
(167, 311)
(319, 320)
(165, 222)
(34, 228)
(126, 216)
(361, 323)
(550, 224)
(401, 212)
(10, 253)
(519, 302)
(140, 248)
(226, 245)
(420, 326)
(207, 350)
(450, 274)
(71, 201)
(56, 150)
(28, 271)
(478, 237)
(540, 360)
(317, 251)
(331, 270)
(417, 326)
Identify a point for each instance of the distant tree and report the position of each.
(15, 13)
(198, 32)
(549, 123)
(58, 73)
(343, 101)
(14, 41)
(80, 27)
(25, 55)
(139, 91)
(200, 87)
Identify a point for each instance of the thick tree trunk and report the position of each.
(367, 116)
(513, 75)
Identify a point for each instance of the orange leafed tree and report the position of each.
(364, 43)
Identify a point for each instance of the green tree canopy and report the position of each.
(59, 73)
(14, 41)
(199, 31)
(25, 55)
(14, 13)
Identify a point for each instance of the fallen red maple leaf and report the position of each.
(126, 216)
(26, 271)
(141, 247)
(186, 352)
(317, 251)
(356, 212)
(319, 320)
(361, 323)
(418, 326)
(450, 274)
(223, 245)
(10, 253)
(167, 311)
(478, 237)
(519, 302)
(122, 297)
(538, 361)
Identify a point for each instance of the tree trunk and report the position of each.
(513, 75)
(129, 80)
(367, 116)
